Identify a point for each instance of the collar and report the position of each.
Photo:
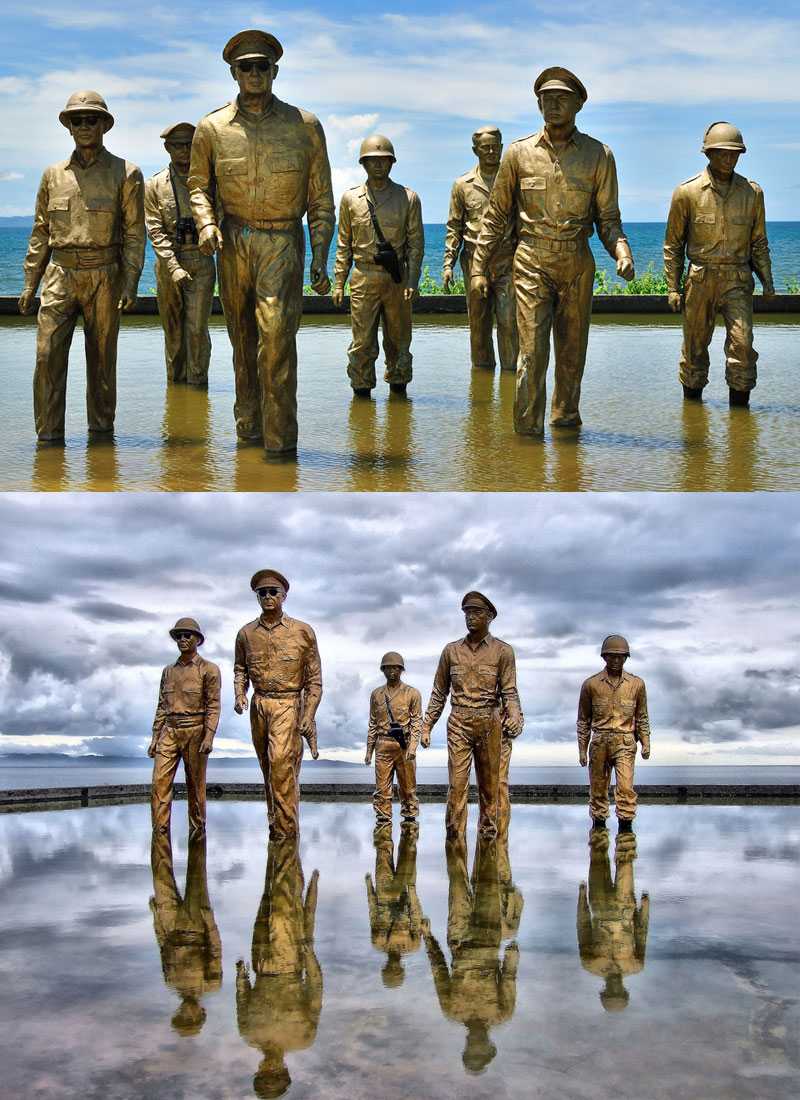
(235, 109)
(484, 641)
(474, 177)
(186, 664)
(272, 626)
(624, 677)
(707, 180)
(379, 199)
(541, 138)
(75, 162)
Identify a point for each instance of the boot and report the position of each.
(361, 391)
(738, 398)
(690, 393)
(598, 823)
(398, 388)
(624, 826)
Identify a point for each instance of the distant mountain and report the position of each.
(22, 221)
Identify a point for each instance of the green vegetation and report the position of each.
(793, 285)
(651, 282)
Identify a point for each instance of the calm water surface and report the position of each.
(454, 432)
(350, 969)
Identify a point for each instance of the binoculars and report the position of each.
(186, 231)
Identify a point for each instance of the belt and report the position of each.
(732, 270)
(613, 733)
(550, 245)
(185, 721)
(86, 257)
(260, 224)
(275, 694)
(367, 265)
(465, 708)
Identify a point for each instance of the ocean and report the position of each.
(646, 239)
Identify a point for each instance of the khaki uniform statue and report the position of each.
(278, 1009)
(185, 277)
(478, 989)
(279, 657)
(259, 165)
(395, 914)
(185, 722)
(381, 237)
(87, 242)
(556, 186)
(612, 710)
(479, 673)
(186, 932)
(468, 202)
(395, 720)
(717, 220)
(612, 928)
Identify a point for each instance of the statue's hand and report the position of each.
(625, 268)
(338, 296)
(151, 748)
(768, 291)
(25, 301)
(479, 284)
(240, 704)
(127, 302)
(675, 300)
(447, 279)
(320, 283)
(206, 745)
(425, 738)
(645, 752)
(410, 293)
(583, 759)
(179, 275)
(210, 240)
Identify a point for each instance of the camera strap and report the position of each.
(389, 709)
(376, 225)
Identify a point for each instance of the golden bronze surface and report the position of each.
(278, 1008)
(391, 757)
(395, 913)
(260, 164)
(186, 932)
(556, 186)
(468, 201)
(87, 245)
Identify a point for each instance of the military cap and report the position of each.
(188, 624)
(723, 135)
(477, 599)
(377, 145)
(392, 658)
(557, 78)
(251, 44)
(264, 577)
(615, 643)
(176, 128)
(86, 103)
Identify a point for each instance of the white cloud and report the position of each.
(6, 177)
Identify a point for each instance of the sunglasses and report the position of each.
(183, 635)
(259, 66)
(85, 120)
(268, 591)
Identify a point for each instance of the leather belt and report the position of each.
(259, 224)
(275, 694)
(185, 721)
(554, 246)
(85, 258)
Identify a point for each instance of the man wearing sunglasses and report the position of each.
(185, 277)
(186, 720)
(278, 656)
(87, 242)
(262, 164)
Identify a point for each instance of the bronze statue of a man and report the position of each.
(279, 657)
(381, 237)
(185, 277)
(717, 219)
(395, 913)
(468, 201)
(88, 242)
(185, 722)
(395, 720)
(479, 673)
(612, 710)
(260, 164)
(556, 185)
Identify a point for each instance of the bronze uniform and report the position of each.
(374, 296)
(555, 200)
(185, 307)
(615, 715)
(281, 661)
(390, 760)
(263, 173)
(722, 230)
(88, 242)
(468, 201)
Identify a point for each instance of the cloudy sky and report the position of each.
(425, 74)
(705, 588)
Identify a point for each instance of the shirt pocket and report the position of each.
(287, 177)
(705, 227)
(232, 175)
(193, 698)
(58, 209)
(532, 194)
(577, 200)
(101, 214)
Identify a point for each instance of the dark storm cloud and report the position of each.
(104, 611)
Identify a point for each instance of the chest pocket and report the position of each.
(58, 209)
(705, 227)
(532, 194)
(283, 164)
(231, 168)
(577, 200)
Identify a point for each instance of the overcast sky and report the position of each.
(704, 587)
(426, 74)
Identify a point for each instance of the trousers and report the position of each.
(184, 310)
(275, 728)
(499, 307)
(390, 760)
(709, 291)
(375, 298)
(472, 735)
(617, 752)
(176, 744)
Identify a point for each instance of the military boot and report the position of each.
(690, 393)
(398, 388)
(738, 398)
(625, 826)
(598, 823)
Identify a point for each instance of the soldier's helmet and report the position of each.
(615, 643)
(722, 135)
(86, 103)
(188, 624)
(376, 146)
(392, 658)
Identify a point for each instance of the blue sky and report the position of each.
(426, 75)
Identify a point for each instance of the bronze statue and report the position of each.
(380, 235)
(186, 932)
(479, 672)
(468, 201)
(260, 164)
(612, 710)
(556, 185)
(477, 990)
(279, 657)
(88, 243)
(278, 1010)
(717, 219)
(395, 914)
(612, 928)
(186, 720)
(395, 720)
(185, 277)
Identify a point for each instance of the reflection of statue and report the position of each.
(477, 989)
(279, 657)
(395, 915)
(612, 929)
(278, 1011)
(88, 243)
(188, 938)
(395, 718)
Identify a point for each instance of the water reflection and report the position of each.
(49, 467)
(186, 438)
(187, 935)
(395, 914)
(612, 929)
(741, 452)
(278, 1009)
(478, 989)
(102, 463)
